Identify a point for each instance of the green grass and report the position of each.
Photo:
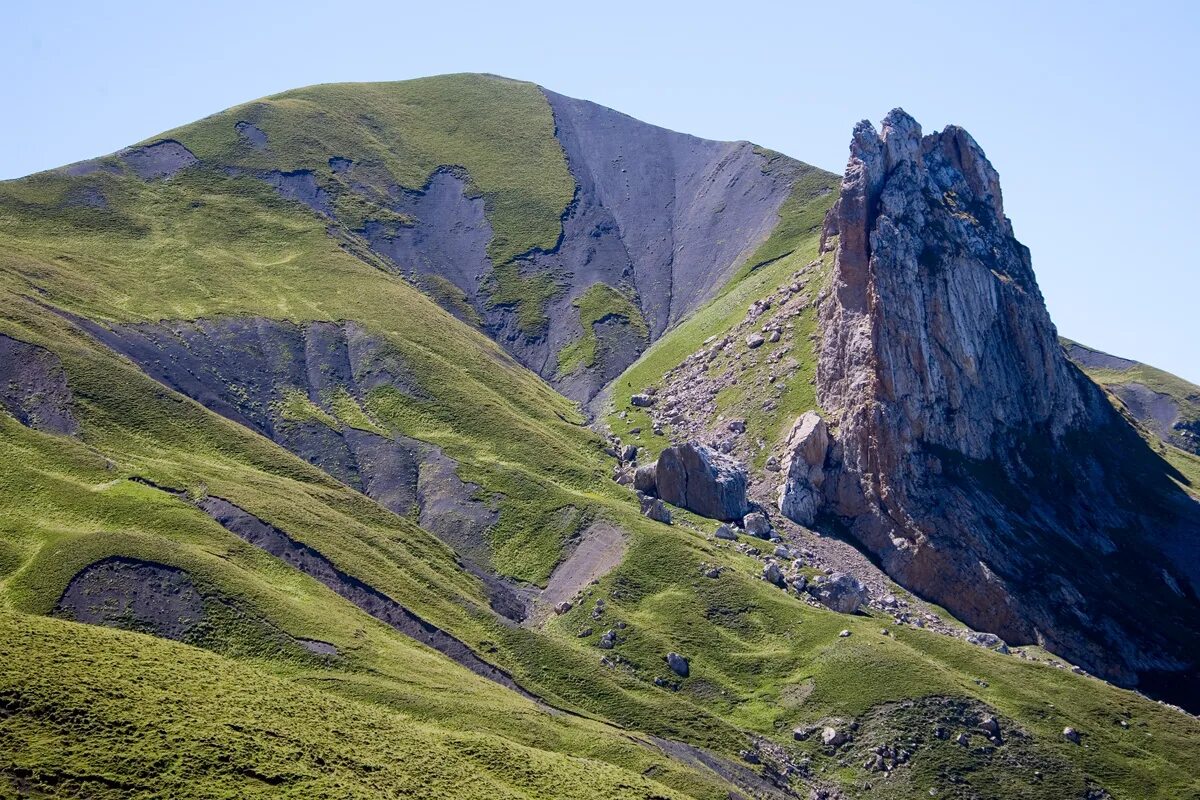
(599, 302)
(94, 712)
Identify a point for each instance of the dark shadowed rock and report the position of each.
(159, 160)
(843, 593)
(698, 478)
(656, 509)
(645, 479)
(971, 457)
(33, 387)
(678, 664)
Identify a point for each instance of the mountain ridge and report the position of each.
(269, 350)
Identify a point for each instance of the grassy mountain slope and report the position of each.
(91, 711)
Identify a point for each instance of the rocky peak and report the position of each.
(977, 463)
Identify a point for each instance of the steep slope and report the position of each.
(970, 455)
(1168, 406)
(236, 426)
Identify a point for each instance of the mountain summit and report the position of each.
(456, 438)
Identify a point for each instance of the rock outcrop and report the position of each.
(803, 467)
(698, 478)
(979, 465)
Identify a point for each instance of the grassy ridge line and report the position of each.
(501, 131)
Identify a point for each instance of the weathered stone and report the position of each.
(833, 737)
(754, 340)
(771, 574)
(678, 664)
(1071, 735)
(963, 429)
(757, 524)
(645, 478)
(841, 592)
(563, 607)
(696, 477)
(629, 453)
(656, 509)
(641, 401)
(725, 532)
(803, 466)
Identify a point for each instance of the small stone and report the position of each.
(608, 640)
(629, 453)
(562, 607)
(783, 552)
(844, 634)
(737, 426)
(726, 532)
(754, 340)
(963, 739)
(1071, 735)
(833, 737)
(641, 401)
(584, 633)
(773, 337)
(772, 575)
(990, 726)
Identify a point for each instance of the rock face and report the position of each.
(698, 478)
(803, 467)
(970, 456)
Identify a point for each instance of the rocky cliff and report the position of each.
(968, 454)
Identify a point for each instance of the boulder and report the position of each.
(645, 480)
(754, 340)
(1071, 735)
(841, 592)
(803, 467)
(771, 574)
(629, 453)
(678, 664)
(562, 607)
(656, 509)
(834, 737)
(726, 532)
(757, 524)
(641, 401)
(698, 478)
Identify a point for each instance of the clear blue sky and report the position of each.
(1088, 110)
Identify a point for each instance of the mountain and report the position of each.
(312, 414)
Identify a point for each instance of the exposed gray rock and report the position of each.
(833, 737)
(33, 387)
(726, 532)
(980, 467)
(841, 592)
(803, 465)
(754, 340)
(1071, 735)
(696, 477)
(772, 574)
(757, 524)
(645, 479)
(641, 401)
(656, 509)
(678, 664)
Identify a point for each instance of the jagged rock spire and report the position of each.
(968, 454)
